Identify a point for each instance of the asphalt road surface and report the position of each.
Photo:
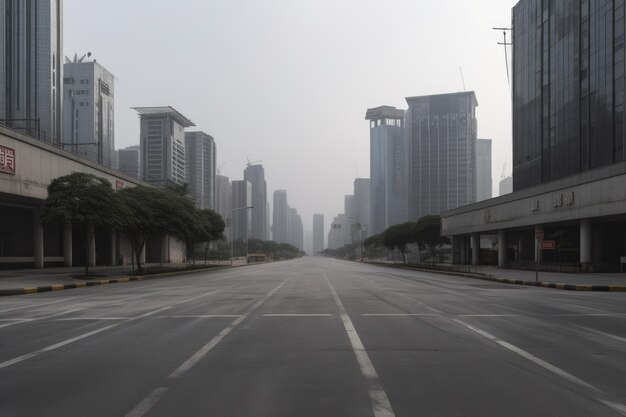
(313, 337)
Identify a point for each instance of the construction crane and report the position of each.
(462, 78)
(250, 163)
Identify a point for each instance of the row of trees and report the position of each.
(425, 233)
(90, 203)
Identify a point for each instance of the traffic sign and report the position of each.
(548, 244)
(539, 234)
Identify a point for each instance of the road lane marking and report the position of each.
(397, 314)
(94, 318)
(488, 315)
(297, 315)
(2, 326)
(205, 316)
(600, 332)
(598, 394)
(33, 354)
(589, 315)
(34, 305)
(147, 403)
(204, 350)
(378, 397)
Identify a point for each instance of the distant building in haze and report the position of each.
(296, 229)
(162, 135)
(200, 169)
(388, 169)
(31, 53)
(506, 185)
(222, 200)
(128, 161)
(280, 225)
(336, 234)
(441, 137)
(241, 196)
(362, 206)
(89, 111)
(318, 233)
(484, 181)
(255, 175)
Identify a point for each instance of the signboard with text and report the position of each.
(7, 160)
(548, 244)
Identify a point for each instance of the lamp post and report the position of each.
(232, 240)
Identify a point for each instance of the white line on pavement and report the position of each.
(94, 332)
(378, 397)
(39, 318)
(94, 318)
(397, 314)
(147, 403)
(205, 316)
(297, 315)
(609, 335)
(599, 395)
(488, 315)
(35, 305)
(197, 357)
(589, 315)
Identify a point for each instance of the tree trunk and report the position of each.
(403, 258)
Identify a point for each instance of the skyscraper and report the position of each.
(568, 88)
(200, 154)
(31, 53)
(162, 135)
(222, 197)
(280, 225)
(296, 229)
(89, 111)
(128, 161)
(441, 137)
(484, 181)
(255, 175)
(349, 227)
(318, 233)
(387, 168)
(241, 196)
(362, 206)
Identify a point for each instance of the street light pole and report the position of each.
(232, 240)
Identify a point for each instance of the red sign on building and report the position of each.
(7, 160)
(548, 244)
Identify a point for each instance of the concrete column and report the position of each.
(475, 248)
(520, 249)
(585, 241)
(456, 249)
(142, 255)
(537, 251)
(92, 249)
(165, 250)
(38, 255)
(67, 245)
(113, 247)
(502, 248)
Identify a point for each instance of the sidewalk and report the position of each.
(32, 278)
(558, 277)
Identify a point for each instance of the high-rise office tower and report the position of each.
(162, 135)
(441, 138)
(506, 185)
(349, 211)
(31, 67)
(568, 88)
(336, 234)
(222, 200)
(255, 175)
(200, 169)
(484, 181)
(241, 196)
(387, 168)
(362, 206)
(318, 233)
(296, 229)
(128, 161)
(280, 225)
(89, 111)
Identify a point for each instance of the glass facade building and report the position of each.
(200, 170)
(255, 175)
(568, 88)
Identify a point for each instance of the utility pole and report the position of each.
(506, 44)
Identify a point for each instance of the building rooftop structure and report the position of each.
(382, 112)
(164, 110)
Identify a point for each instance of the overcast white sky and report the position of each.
(288, 81)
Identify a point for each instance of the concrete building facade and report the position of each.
(162, 141)
(318, 233)
(255, 175)
(280, 225)
(441, 132)
(31, 54)
(128, 160)
(200, 168)
(222, 200)
(241, 220)
(89, 111)
(388, 168)
(296, 229)
(484, 180)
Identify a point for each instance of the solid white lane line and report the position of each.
(205, 316)
(204, 350)
(94, 318)
(378, 397)
(589, 315)
(488, 315)
(398, 314)
(147, 403)
(94, 332)
(35, 305)
(297, 315)
(39, 318)
(609, 335)
(599, 395)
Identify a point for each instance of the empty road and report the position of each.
(313, 337)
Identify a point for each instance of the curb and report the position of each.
(541, 284)
(118, 280)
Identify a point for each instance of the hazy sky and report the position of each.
(288, 81)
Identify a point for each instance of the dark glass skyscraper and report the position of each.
(568, 88)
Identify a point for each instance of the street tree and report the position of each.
(398, 237)
(212, 230)
(428, 235)
(83, 200)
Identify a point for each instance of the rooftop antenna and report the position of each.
(250, 163)
(506, 44)
(462, 78)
